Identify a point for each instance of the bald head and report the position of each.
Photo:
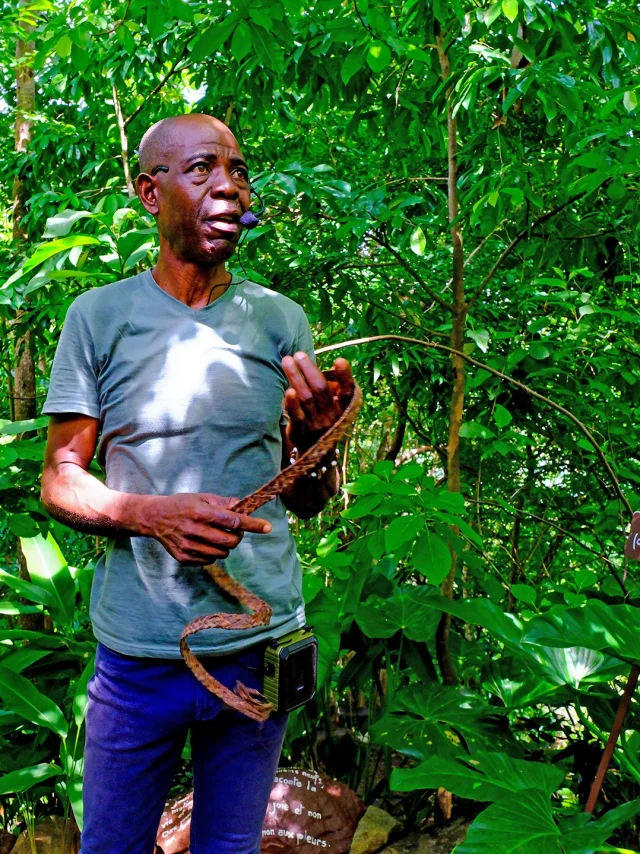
(167, 137)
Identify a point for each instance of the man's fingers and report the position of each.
(292, 405)
(222, 518)
(308, 382)
(342, 370)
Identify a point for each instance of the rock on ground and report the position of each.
(373, 831)
(53, 836)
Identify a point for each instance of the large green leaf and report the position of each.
(22, 658)
(403, 611)
(519, 823)
(515, 683)
(25, 778)
(431, 557)
(575, 665)
(482, 612)
(80, 695)
(483, 776)
(584, 835)
(323, 613)
(22, 697)
(419, 739)
(49, 570)
(54, 247)
(596, 626)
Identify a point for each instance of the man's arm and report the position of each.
(193, 528)
(307, 496)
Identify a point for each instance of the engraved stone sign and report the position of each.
(307, 813)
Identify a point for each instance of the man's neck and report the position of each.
(192, 284)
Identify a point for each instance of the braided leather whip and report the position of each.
(247, 700)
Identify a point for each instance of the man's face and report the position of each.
(204, 193)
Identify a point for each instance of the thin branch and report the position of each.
(435, 346)
(124, 142)
(560, 530)
(173, 70)
(405, 265)
(516, 240)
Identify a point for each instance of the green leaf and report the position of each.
(12, 609)
(401, 530)
(519, 823)
(55, 247)
(25, 778)
(574, 665)
(510, 8)
(630, 101)
(80, 695)
(73, 789)
(404, 611)
(63, 46)
(323, 613)
(49, 570)
(267, 48)
(502, 416)
(524, 593)
(537, 350)
(418, 241)
(607, 628)
(27, 589)
(241, 41)
(22, 658)
(431, 557)
(155, 19)
(60, 224)
(378, 55)
(23, 698)
(213, 38)
(483, 776)
(588, 839)
(362, 507)
(181, 10)
(14, 428)
(22, 525)
(352, 64)
(473, 430)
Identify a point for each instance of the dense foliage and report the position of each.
(451, 194)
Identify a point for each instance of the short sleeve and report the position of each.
(73, 386)
(303, 339)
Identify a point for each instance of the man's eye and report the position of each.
(243, 173)
(200, 167)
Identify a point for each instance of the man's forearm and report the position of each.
(81, 501)
(307, 496)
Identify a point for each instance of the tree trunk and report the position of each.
(124, 142)
(456, 406)
(24, 390)
(24, 382)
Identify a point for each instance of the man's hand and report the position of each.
(313, 403)
(196, 528)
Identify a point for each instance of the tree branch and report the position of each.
(435, 346)
(173, 70)
(516, 240)
(405, 265)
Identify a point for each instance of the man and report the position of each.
(178, 376)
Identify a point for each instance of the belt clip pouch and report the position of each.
(290, 670)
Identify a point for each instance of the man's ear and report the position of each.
(147, 192)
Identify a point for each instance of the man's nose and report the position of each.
(222, 184)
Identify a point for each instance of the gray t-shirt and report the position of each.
(189, 400)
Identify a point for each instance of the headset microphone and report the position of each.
(250, 219)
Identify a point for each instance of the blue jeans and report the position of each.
(139, 713)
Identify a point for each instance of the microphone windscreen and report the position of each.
(249, 219)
